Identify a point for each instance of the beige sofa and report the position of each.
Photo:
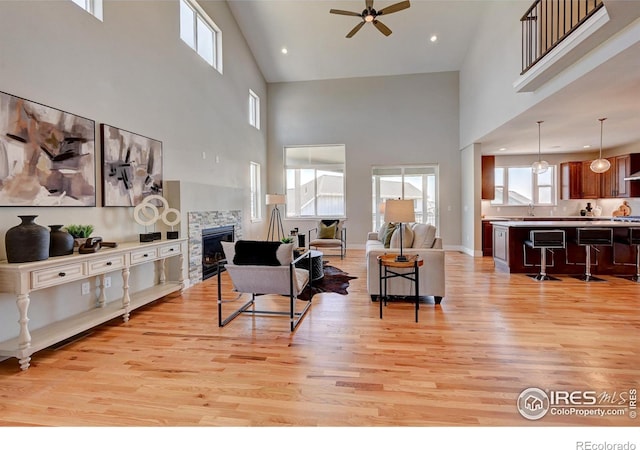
(418, 239)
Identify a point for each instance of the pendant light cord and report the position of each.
(601, 125)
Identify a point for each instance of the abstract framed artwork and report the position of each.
(47, 156)
(131, 167)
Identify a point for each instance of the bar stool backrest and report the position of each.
(594, 236)
(547, 238)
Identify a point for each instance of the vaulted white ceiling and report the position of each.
(317, 49)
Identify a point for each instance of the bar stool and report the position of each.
(545, 240)
(633, 240)
(592, 237)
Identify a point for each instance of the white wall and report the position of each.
(470, 158)
(132, 71)
(411, 119)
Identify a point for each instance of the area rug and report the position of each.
(334, 280)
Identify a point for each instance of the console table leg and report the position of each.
(181, 271)
(163, 271)
(102, 297)
(126, 300)
(25, 336)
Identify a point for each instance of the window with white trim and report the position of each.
(416, 182)
(254, 109)
(519, 186)
(93, 7)
(315, 181)
(256, 209)
(200, 33)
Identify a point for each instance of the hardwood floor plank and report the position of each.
(464, 363)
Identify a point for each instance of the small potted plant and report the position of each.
(80, 233)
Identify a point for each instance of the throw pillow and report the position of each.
(388, 233)
(327, 231)
(382, 231)
(260, 253)
(407, 237)
(285, 254)
(424, 235)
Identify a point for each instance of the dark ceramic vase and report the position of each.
(61, 242)
(27, 242)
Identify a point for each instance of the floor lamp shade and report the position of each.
(275, 223)
(399, 211)
(275, 199)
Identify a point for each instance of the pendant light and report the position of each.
(540, 166)
(600, 165)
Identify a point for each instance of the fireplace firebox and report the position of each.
(212, 249)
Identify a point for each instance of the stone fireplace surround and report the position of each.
(201, 220)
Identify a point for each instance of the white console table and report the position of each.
(23, 278)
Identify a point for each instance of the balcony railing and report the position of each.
(547, 22)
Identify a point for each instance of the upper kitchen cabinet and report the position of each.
(613, 180)
(578, 181)
(488, 177)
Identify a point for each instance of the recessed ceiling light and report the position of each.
(586, 146)
(502, 149)
(434, 38)
(284, 50)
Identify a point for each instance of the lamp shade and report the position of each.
(399, 211)
(275, 199)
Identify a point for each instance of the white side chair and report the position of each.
(263, 268)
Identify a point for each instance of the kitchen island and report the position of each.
(510, 254)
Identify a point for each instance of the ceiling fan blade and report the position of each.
(394, 8)
(345, 13)
(382, 27)
(355, 29)
(369, 4)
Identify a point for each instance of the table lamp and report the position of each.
(399, 211)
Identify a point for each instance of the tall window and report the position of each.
(256, 210)
(254, 109)
(93, 7)
(200, 33)
(519, 186)
(315, 181)
(417, 183)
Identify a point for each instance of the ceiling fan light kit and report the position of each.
(370, 15)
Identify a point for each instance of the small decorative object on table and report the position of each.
(27, 241)
(61, 242)
(80, 233)
(146, 213)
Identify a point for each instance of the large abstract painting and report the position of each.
(47, 156)
(131, 167)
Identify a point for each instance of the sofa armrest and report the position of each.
(372, 236)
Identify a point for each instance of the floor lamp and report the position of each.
(275, 223)
(399, 211)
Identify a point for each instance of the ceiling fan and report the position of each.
(370, 15)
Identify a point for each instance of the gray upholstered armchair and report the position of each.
(263, 268)
(330, 233)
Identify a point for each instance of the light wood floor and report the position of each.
(464, 363)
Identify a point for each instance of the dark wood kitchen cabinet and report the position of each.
(488, 177)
